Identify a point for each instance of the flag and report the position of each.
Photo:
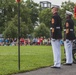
(75, 11)
(18, 0)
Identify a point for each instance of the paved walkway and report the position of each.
(65, 70)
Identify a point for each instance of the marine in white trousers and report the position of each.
(56, 52)
(68, 51)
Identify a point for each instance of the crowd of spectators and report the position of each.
(27, 41)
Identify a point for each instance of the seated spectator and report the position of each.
(38, 41)
(7, 42)
(45, 41)
(48, 41)
(21, 41)
(34, 41)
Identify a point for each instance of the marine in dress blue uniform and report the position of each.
(56, 35)
(69, 36)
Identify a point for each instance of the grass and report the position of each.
(32, 57)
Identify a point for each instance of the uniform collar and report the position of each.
(55, 14)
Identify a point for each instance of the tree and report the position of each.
(33, 12)
(42, 30)
(45, 17)
(28, 14)
(9, 10)
(11, 29)
(25, 17)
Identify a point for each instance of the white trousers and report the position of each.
(68, 51)
(56, 52)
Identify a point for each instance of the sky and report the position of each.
(55, 2)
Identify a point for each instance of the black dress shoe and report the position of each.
(55, 67)
(68, 64)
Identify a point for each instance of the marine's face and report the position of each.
(54, 10)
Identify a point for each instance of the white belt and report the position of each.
(64, 29)
(56, 28)
(51, 28)
(70, 29)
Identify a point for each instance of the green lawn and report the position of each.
(32, 57)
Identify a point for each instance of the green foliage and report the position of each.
(42, 30)
(33, 11)
(24, 30)
(10, 9)
(11, 29)
(45, 17)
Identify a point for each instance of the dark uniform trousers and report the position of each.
(69, 37)
(55, 39)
